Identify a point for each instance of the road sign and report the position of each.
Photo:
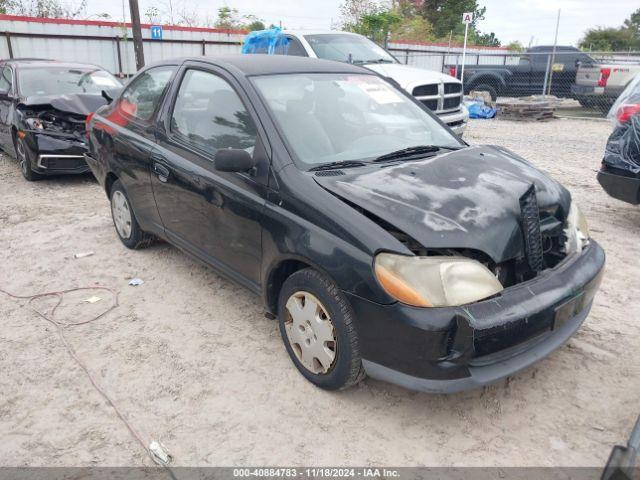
(156, 32)
(467, 17)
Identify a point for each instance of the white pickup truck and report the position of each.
(599, 84)
(439, 92)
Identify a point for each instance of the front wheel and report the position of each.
(318, 329)
(23, 156)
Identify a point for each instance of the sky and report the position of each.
(528, 21)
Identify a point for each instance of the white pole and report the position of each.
(553, 52)
(464, 52)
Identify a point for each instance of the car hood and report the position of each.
(467, 199)
(77, 103)
(408, 76)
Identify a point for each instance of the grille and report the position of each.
(424, 90)
(329, 173)
(62, 163)
(530, 216)
(450, 103)
(431, 104)
(452, 88)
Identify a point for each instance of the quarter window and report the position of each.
(143, 96)
(209, 114)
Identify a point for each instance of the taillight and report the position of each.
(625, 112)
(86, 124)
(452, 71)
(604, 76)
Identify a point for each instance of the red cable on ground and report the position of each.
(60, 325)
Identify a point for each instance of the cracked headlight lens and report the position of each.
(34, 123)
(577, 231)
(437, 281)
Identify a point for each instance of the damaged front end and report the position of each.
(496, 271)
(53, 129)
(619, 173)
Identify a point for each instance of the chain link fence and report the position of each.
(586, 82)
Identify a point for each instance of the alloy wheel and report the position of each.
(310, 332)
(22, 156)
(121, 214)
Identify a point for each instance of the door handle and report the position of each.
(161, 171)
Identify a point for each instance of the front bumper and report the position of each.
(54, 155)
(456, 121)
(622, 187)
(445, 350)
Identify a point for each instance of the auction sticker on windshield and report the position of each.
(377, 90)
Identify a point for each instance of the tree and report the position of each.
(515, 46)
(484, 39)
(43, 8)
(446, 15)
(625, 37)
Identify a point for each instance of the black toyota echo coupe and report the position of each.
(383, 243)
(43, 108)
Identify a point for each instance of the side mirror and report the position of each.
(4, 95)
(578, 63)
(233, 160)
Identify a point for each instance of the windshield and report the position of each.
(348, 48)
(330, 117)
(64, 80)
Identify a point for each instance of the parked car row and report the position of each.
(382, 242)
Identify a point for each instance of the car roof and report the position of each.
(320, 32)
(43, 62)
(260, 64)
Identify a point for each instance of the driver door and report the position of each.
(212, 214)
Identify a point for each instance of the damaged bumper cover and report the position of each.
(445, 350)
(56, 154)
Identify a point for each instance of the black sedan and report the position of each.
(383, 243)
(43, 108)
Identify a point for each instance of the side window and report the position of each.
(209, 114)
(295, 48)
(5, 80)
(142, 96)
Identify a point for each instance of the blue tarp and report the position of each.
(478, 109)
(271, 41)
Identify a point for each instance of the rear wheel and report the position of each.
(23, 155)
(318, 329)
(124, 220)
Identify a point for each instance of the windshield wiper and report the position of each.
(413, 151)
(339, 164)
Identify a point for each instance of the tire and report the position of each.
(23, 156)
(345, 368)
(486, 88)
(124, 220)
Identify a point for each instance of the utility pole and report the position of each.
(137, 33)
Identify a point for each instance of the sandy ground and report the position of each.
(192, 361)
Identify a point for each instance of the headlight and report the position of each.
(34, 123)
(577, 231)
(435, 281)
